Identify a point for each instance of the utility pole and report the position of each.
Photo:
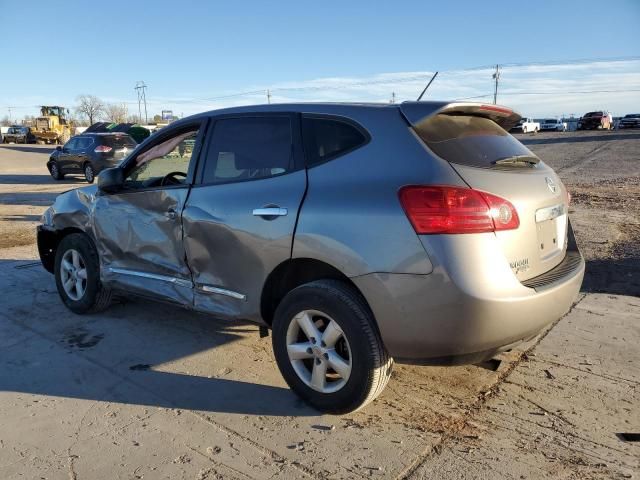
(9, 115)
(393, 97)
(142, 97)
(496, 77)
(268, 96)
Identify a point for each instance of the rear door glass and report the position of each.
(327, 138)
(249, 148)
(470, 140)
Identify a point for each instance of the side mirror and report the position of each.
(110, 180)
(59, 148)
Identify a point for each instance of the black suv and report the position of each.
(89, 154)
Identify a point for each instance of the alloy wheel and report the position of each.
(319, 351)
(88, 173)
(73, 274)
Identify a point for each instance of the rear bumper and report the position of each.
(442, 318)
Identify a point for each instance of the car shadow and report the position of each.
(39, 179)
(21, 218)
(616, 276)
(39, 199)
(560, 138)
(137, 352)
(25, 148)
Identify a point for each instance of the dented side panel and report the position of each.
(231, 250)
(139, 239)
(73, 209)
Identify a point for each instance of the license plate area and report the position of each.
(551, 228)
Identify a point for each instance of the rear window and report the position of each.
(469, 140)
(118, 141)
(327, 138)
(593, 114)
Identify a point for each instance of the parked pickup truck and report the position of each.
(553, 124)
(596, 121)
(526, 125)
(632, 120)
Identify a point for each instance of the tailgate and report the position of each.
(473, 139)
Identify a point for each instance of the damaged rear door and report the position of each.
(138, 229)
(241, 214)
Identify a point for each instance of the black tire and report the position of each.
(371, 365)
(96, 297)
(89, 173)
(54, 170)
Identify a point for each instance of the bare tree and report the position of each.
(5, 121)
(90, 107)
(116, 112)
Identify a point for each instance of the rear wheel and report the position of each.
(55, 171)
(328, 348)
(77, 273)
(89, 174)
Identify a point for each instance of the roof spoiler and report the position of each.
(417, 112)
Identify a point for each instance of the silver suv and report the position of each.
(422, 232)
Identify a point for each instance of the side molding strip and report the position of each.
(153, 276)
(222, 291)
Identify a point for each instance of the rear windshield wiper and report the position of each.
(522, 160)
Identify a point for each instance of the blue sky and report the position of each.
(190, 53)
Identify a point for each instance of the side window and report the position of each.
(72, 144)
(165, 163)
(84, 143)
(249, 148)
(326, 138)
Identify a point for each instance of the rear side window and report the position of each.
(325, 139)
(118, 141)
(84, 142)
(249, 148)
(469, 140)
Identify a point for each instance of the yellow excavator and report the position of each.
(52, 126)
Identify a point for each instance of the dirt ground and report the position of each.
(150, 391)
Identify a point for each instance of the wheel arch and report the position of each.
(291, 274)
(48, 241)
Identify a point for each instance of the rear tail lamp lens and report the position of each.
(103, 149)
(448, 209)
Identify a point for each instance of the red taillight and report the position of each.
(493, 108)
(446, 209)
(103, 149)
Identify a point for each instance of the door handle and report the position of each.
(270, 212)
(171, 214)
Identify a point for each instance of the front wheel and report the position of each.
(328, 348)
(77, 273)
(55, 171)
